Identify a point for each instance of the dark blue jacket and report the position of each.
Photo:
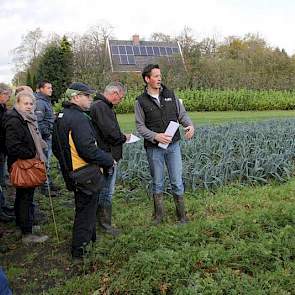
(45, 115)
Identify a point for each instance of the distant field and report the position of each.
(127, 122)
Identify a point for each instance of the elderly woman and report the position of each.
(23, 141)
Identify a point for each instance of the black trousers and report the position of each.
(84, 229)
(24, 209)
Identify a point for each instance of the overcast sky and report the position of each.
(273, 19)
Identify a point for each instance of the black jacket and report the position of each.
(18, 139)
(72, 118)
(2, 135)
(158, 116)
(108, 133)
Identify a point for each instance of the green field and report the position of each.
(240, 240)
(127, 122)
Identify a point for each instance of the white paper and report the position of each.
(171, 130)
(133, 138)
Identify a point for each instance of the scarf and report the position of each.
(40, 144)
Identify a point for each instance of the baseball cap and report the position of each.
(77, 88)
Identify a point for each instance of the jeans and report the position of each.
(84, 229)
(4, 286)
(3, 169)
(172, 158)
(105, 195)
(48, 153)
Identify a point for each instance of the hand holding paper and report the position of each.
(171, 130)
(133, 139)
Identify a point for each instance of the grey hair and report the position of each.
(115, 87)
(5, 88)
(25, 93)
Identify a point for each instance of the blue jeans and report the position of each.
(4, 286)
(105, 195)
(48, 153)
(172, 158)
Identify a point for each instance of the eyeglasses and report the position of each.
(120, 96)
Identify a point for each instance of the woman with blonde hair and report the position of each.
(23, 141)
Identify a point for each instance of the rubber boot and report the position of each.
(180, 209)
(158, 208)
(104, 214)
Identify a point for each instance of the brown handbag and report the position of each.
(28, 173)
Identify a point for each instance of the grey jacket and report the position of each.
(148, 134)
(45, 115)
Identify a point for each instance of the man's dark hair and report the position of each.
(42, 83)
(146, 72)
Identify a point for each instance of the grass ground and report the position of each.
(128, 124)
(239, 241)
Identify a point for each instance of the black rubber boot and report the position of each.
(180, 209)
(158, 208)
(104, 214)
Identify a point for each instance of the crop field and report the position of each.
(244, 153)
(225, 100)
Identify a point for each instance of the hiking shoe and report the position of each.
(33, 239)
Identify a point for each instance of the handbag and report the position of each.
(88, 179)
(28, 173)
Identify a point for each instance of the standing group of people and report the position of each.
(21, 139)
(87, 141)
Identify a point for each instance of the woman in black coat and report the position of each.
(23, 141)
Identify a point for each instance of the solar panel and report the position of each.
(162, 51)
(127, 56)
(169, 50)
(115, 49)
(150, 50)
(122, 49)
(175, 50)
(129, 49)
(136, 50)
(131, 59)
(156, 50)
(142, 50)
(124, 60)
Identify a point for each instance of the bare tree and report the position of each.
(27, 52)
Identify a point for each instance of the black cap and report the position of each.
(82, 88)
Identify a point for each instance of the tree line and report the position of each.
(246, 62)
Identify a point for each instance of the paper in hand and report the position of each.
(170, 130)
(133, 138)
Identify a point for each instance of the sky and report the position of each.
(272, 19)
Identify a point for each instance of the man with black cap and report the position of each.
(75, 147)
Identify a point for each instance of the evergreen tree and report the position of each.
(56, 66)
(29, 79)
